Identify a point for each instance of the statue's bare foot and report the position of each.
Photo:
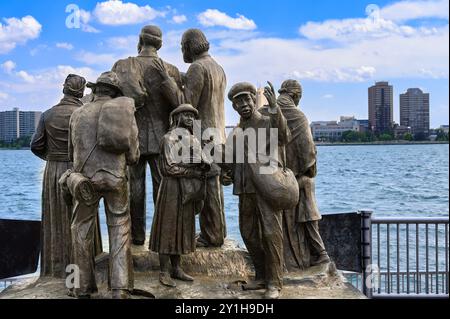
(254, 285)
(166, 280)
(178, 273)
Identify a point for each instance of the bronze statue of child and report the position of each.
(183, 168)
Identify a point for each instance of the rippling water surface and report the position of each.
(392, 180)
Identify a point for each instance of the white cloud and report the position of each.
(116, 12)
(380, 22)
(102, 59)
(3, 96)
(351, 74)
(16, 31)
(179, 19)
(214, 17)
(123, 43)
(410, 10)
(44, 86)
(384, 58)
(64, 45)
(328, 96)
(359, 29)
(8, 66)
(26, 77)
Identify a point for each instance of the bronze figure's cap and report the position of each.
(152, 31)
(290, 86)
(184, 108)
(75, 83)
(109, 79)
(152, 34)
(241, 88)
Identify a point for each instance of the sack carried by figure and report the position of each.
(276, 184)
(116, 131)
(78, 186)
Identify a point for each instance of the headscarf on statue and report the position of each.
(301, 151)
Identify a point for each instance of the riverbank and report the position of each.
(382, 143)
(321, 144)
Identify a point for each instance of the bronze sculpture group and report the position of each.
(143, 112)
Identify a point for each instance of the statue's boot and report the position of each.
(178, 273)
(322, 259)
(200, 242)
(272, 292)
(254, 285)
(166, 280)
(120, 294)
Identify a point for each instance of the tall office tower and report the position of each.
(381, 107)
(415, 111)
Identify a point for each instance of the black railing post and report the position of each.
(366, 251)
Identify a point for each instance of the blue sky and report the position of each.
(336, 49)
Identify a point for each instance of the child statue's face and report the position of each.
(244, 105)
(187, 119)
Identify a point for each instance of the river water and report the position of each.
(391, 180)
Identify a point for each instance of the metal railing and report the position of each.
(404, 257)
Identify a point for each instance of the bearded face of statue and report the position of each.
(187, 55)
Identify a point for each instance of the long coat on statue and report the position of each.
(301, 159)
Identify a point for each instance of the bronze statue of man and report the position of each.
(103, 141)
(182, 187)
(259, 222)
(50, 143)
(204, 89)
(303, 245)
(141, 81)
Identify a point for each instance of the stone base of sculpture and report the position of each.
(219, 274)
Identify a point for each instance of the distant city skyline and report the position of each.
(335, 49)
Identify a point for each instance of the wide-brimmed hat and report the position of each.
(108, 79)
(241, 88)
(184, 108)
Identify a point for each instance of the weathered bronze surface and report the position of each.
(50, 143)
(106, 169)
(182, 188)
(259, 222)
(303, 245)
(204, 88)
(141, 81)
(140, 113)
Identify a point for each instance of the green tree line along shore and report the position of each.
(368, 137)
(22, 142)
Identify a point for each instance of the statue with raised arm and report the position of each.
(260, 219)
(303, 245)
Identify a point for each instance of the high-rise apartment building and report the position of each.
(415, 111)
(381, 107)
(15, 124)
